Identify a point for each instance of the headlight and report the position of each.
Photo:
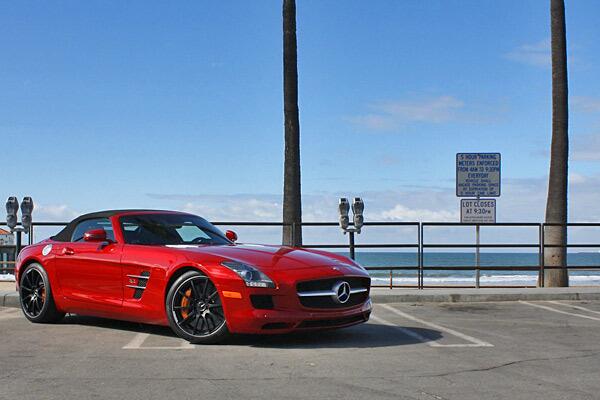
(251, 276)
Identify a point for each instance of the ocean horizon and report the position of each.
(460, 278)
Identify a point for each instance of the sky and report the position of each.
(153, 105)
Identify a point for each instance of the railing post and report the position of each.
(18, 245)
(477, 257)
(421, 261)
(542, 257)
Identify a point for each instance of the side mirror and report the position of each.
(231, 235)
(95, 235)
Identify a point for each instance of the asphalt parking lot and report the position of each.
(508, 350)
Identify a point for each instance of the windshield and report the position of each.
(169, 229)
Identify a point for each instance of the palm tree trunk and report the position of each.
(292, 204)
(556, 206)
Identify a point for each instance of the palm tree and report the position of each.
(292, 204)
(556, 206)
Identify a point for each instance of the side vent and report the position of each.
(142, 281)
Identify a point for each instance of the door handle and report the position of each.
(67, 251)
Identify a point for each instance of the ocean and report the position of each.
(459, 278)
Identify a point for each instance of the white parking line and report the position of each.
(559, 311)
(184, 346)
(473, 342)
(406, 331)
(139, 339)
(574, 306)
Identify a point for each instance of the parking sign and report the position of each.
(478, 175)
(478, 211)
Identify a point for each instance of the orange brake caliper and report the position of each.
(185, 301)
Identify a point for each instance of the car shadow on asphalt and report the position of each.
(369, 335)
(361, 336)
(114, 324)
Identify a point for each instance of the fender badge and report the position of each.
(47, 249)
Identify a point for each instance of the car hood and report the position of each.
(265, 257)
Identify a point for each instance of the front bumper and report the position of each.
(287, 314)
(283, 321)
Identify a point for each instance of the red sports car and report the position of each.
(177, 269)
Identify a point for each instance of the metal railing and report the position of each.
(421, 245)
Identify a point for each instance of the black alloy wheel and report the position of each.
(35, 295)
(195, 310)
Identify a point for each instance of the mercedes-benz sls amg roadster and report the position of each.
(176, 269)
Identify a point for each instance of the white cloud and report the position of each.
(536, 54)
(53, 213)
(403, 213)
(391, 115)
(525, 199)
(425, 205)
(586, 148)
(539, 54)
(586, 104)
(575, 178)
(250, 207)
(235, 209)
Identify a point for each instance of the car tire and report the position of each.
(194, 309)
(36, 297)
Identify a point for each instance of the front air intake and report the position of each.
(262, 301)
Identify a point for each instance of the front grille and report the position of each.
(327, 301)
(327, 284)
(330, 323)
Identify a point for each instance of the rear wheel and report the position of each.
(194, 309)
(35, 295)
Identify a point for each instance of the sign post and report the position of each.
(477, 260)
(478, 175)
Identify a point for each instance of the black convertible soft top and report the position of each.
(67, 232)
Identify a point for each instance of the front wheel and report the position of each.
(35, 295)
(194, 309)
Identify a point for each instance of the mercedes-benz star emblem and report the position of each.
(341, 292)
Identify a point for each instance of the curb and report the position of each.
(472, 298)
(9, 299)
